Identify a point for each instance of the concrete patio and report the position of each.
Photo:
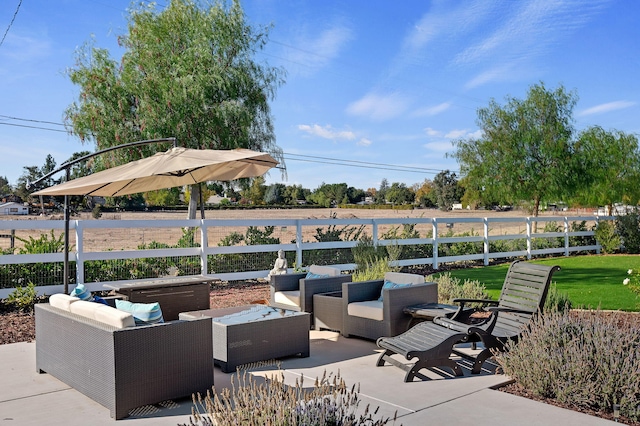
(29, 398)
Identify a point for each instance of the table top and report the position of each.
(415, 309)
(244, 314)
(158, 282)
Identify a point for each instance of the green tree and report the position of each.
(447, 190)
(5, 188)
(274, 194)
(610, 163)
(355, 195)
(187, 71)
(381, 193)
(526, 148)
(424, 194)
(399, 193)
(329, 194)
(163, 197)
(256, 191)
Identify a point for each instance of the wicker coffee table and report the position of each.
(253, 333)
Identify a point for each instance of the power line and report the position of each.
(30, 120)
(32, 127)
(288, 156)
(11, 23)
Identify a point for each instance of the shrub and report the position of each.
(584, 360)
(607, 237)
(450, 288)
(628, 227)
(330, 402)
(557, 301)
(23, 298)
(373, 270)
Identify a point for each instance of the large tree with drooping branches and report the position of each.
(188, 71)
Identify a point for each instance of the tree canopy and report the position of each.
(525, 151)
(187, 71)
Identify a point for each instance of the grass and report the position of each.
(592, 281)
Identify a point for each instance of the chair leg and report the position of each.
(484, 355)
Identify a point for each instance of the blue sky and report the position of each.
(371, 82)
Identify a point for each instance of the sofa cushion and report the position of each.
(143, 313)
(371, 309)
(324, 270)
(82, 293)
(291, 298)
(103, 313)
(62, 301)
(115, 317)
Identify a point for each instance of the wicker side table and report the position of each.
(327, 311)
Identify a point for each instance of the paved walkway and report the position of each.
(29, 398)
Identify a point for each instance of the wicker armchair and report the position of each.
(295, 291)
(364, 315)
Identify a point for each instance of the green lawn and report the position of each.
(590, 281)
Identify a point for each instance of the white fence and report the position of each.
(106, 240)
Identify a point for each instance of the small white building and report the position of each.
(13, 208)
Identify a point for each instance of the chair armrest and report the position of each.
(361, 291)
(483, 301)
(285, 282)
(396, 299)
(319, 285)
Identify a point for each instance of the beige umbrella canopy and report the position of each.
(175, 167)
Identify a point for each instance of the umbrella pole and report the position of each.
(66, 241)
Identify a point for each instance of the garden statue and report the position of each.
(280, 267)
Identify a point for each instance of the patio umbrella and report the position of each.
(175, 167)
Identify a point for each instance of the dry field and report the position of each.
(131, 238)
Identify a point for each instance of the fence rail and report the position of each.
(245, 249)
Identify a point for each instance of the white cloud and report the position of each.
(317, 52)
(432, 132)
(439, 146)
(379, 107)
(364, 142)
(431, 111)
(327, 132)
(463, 133)
(608, 107)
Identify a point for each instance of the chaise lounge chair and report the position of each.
(432, 343)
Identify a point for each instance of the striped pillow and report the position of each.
(143, 313)
(82, 293)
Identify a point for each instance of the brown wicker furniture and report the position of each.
(175, 294)
(123, 369)
(327, 311)
(252, 333)
(523, 295)
(295, 291)
(393, 320)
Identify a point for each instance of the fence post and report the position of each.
(566, 236)
(434, 222)
(529, 243)
(204, 244)
(374, 233)
(598, 246)
(79, 255)
(485, 222)
(298, 243)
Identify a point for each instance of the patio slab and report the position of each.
(29, 398)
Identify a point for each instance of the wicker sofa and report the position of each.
(124, 368)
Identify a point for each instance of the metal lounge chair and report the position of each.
(432, 343)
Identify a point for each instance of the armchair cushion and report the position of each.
(389, 284)
(324, 270)
(402, 278)
(371, 309)
(291, 297)
(311, 275)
